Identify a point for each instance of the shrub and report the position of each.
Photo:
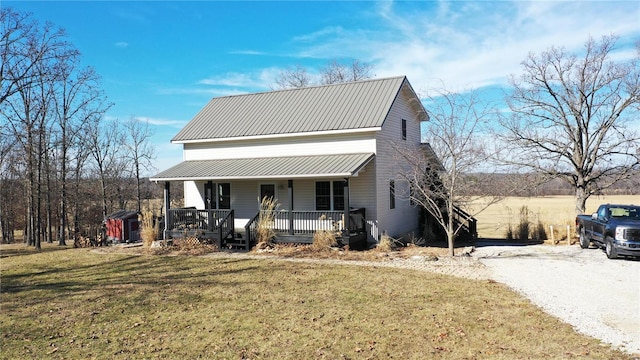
(509, 234)
(387, 243)
(540, 233)
(265, 231)
(524, 225)
(324, 240)
(148, 230)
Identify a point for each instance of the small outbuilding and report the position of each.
(123, 226)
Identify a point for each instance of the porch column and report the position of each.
(290, 187)
(167, 207)
(209, 204)
(347, 208)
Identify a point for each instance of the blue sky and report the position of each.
(163, 61)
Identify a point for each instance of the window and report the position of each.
(330, 195)
(338, 195)
(267, 191)
(217, 196)
(404, 129)
(392, 194)
(323, 195)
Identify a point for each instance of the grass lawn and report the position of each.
(75, 303)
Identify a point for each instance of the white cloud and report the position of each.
(247, 52)
(326, 32)
(468, 44)
(122, 44)
(161, 122)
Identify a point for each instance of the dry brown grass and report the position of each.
(265, 227)
(324, 240)
(387, 243)
(77, 303)
(148, 231)
(547, 210)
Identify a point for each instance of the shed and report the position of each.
(123, 226)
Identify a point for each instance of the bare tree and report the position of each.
(439, 172)
(78, 98)
(571, 116)
(293, 77)
(103, 139)
(140, 152)
(335, 72)
(332, 73)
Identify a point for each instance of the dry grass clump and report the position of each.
(265, 231)
(387, 243)
(324, 240)
(149, 229)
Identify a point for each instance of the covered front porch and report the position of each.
(221, 226)
(313, 194)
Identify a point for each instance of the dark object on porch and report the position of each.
(123, 226)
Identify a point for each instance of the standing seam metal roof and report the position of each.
(274, 167)
(355, 105)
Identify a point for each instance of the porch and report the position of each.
(224, 229)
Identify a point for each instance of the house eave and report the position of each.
(279, 136)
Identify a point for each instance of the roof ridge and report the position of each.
(313, 86)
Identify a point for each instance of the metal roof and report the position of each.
(289, 167)
(345, 106)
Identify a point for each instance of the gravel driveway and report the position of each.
(597, 296)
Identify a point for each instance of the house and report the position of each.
(326, 153)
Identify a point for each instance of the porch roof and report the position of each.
(289, 167)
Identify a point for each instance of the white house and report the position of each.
(326, 153)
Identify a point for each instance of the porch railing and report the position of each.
(469, 223)
(308, 222)
(187, 219)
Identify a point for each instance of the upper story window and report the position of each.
(404, 129)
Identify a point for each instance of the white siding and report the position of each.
(288, 146)
(194, 194)
(362, 194)
(404, 218)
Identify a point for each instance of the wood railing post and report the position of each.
(347, 208)
(290, 186)
(167, 207)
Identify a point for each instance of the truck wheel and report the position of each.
(584, 240)
(609, 249)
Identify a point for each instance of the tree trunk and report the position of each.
(581, 200)
(450, 232)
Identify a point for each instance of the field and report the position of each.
(78, 303)
(549, 210)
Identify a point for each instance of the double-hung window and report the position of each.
(330, 195)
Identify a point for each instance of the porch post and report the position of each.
(347, 208)
(167, 207)
(290, 186)
(209, 204)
